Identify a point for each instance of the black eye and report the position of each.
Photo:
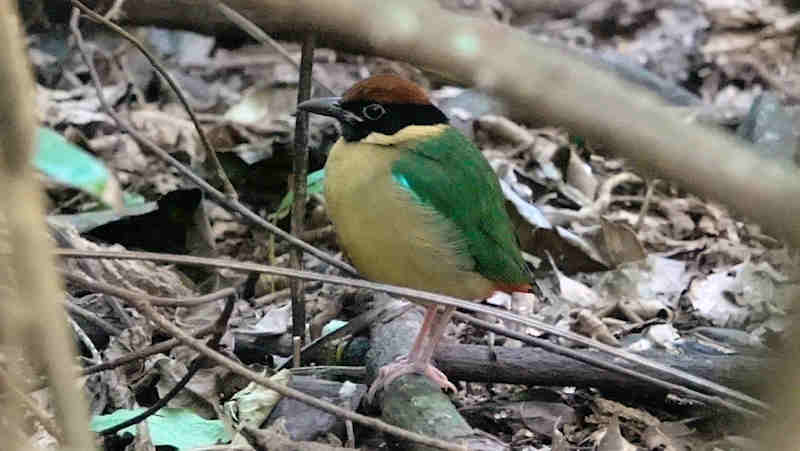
(373, 111)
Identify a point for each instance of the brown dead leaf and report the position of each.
(120, 379)
(606, 407)
(668, 436)
(587, 323)
(559, 442)
(329, 307)
(619, 243)
(544, 417)
(613, 440)
(201, 394)
(169, 126)
(648, 309)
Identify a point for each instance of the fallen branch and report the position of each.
(533, 366)
(540, 366)
(157, 300)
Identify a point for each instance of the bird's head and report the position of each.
(382, 104)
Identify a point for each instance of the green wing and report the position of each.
(450, 174)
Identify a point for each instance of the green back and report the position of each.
(450, 174)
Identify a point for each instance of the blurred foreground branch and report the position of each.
(33, 325)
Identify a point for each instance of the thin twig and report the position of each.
(84, 338)
(299, 172)
(650, 186)
(165, 325)
(164, 346)
(231, 205)
(296, 345)
(210, 150)
(259, 35)
(157, 300)
(123, 315)
(40, 414)
(699, 383)
(115, 11)
(272, 297)
(93, 318)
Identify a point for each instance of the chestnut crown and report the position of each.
(382, 104)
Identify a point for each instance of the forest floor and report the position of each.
(685, 277)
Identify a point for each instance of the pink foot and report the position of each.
(402, 366)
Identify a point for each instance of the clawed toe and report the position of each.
(400, 367)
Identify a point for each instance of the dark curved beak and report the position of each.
(328, 106)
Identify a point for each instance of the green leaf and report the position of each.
(316, 185)
(180, 428)
(67, 163)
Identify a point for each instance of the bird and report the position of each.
(414, 203)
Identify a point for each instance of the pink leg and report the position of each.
(419, 359)
(427, 323)
(436, 334)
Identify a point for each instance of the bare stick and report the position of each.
(210, 150)
(300, 169)
(33, 326)
(296, 347)
(701, 384)
(93, 318)
(164, 346)
(272, 297)
(258, 34)
(650, 186)
(76, 329)
(230, 204)
(156, 300)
